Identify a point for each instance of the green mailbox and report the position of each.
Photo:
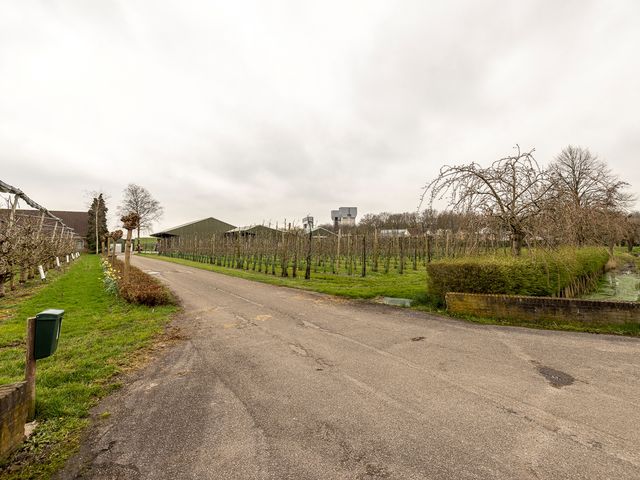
(48, 325)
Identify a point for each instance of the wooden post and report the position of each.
(30, 369)
(338, 249)
(307, 271)
(12, 214)
(364, 255)
(40, 224)
(401, 250)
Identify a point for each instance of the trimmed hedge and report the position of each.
(561, 273)
(142, 288)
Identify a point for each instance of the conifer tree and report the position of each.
(97, 215)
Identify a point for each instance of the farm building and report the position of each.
(321, 232)
(251, 231)
(204, 228)
(78, 221)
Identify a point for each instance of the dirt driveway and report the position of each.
(275, 383)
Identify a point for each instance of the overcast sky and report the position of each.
(261, 111)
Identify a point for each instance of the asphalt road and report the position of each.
(274, 383)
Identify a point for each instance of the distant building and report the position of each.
(251, 231)
(204, 228)
(344, 217)
(78, 221)
(395, 232)
(321, 232)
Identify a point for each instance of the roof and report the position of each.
(6, 188)
(317, 231)
(205, 226)
(253, 229)
(78, 221)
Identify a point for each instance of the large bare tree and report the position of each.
(589, 199)
(137, 199)
(632, 230)
(512, 192)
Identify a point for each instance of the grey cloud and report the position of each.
(251, 112)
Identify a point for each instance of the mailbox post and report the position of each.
(43, 332)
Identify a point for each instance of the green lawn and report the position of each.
(411, 284)
(100, 336)
(147, 243)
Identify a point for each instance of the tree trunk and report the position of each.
(127, 256)
(516, 244)
(96, 228)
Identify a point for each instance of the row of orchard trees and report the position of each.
(393, 242)
(29, 241)
(512, 204)
(352, 251)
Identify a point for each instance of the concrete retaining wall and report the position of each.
(13, 415)
(543, 308)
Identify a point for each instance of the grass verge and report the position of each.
(100, 337)
(23, 291)
(628, 329)
(411, 284)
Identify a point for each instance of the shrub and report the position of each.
(561, 273)
(142, 288)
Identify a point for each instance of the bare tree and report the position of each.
(632, 230)
(512, 192)
(588, 197)
(138, 200)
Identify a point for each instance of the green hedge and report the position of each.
(565, 273)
